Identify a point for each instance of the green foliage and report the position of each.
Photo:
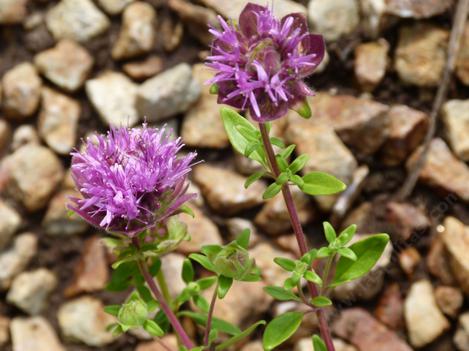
(318, 344)
(224, 284)
(238, 337)
(320, 183)
(281, 294)
(218, 324)
(321, 301)
(281, 329)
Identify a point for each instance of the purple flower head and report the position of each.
(261, 62)
(130, 179)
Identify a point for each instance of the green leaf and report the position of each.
(346, 252)
(272, 190)
(281, 329)
(187, 271)
(303, 109)
(329, 232)
(201, 303)
(153, 329)
(211, 250)
(312, 276)
(235, 339)
(133, 313)
(113, 310)
(310, 256)
(286, 263)
(277, 142)
(187, 210)
(296, 179)
(121, 277)
(325, 252)
(243, 239)
(299, 163)
(219, 324)
(319, 183)
(321, 301)
(368, 252)
(281, 294)
(214, 89)
(346, 235)
(318, 344)
(206, 283)
(232, 120)
(286, 153)
(224, 284)
(253, 178)
(282, 178)
(203, 261)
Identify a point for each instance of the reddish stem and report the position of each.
(187, 342)
(208, 327)
(298, 229)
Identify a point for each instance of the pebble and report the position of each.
(421, 54)
(66, 65)
(84, 320)
(274, 219)
(10, 221)
(404, 219)
(355, 324)
(34, 334)
(334, 18)
(13, 11)
(34, 173)
(58, 121)
(253, 346)
(409, 259)
(202, 231)
(361, 123)
(21, 91)
(305, 344)
(170, 33)
(462, 61)
(461, 337)
(406, 130)
(79, 20)
(202, 125)
(390, 308)
(443, 170)
(417, 9)
(456, 240)
(113, 95)
(5, 133)
(224, 189)
(455, 115)
(288, 243)
(171, 265)
(438, 262)
(114, 7)
(24, 134)
(91, 273)
(14, 260)
(147, 68)
(168, 342)
(236, 225)
(449, 300)
(424, 320)
(168, 93)
(30, 290)
(264, 254)
(371, 60)
(4, 330)
(137, 35)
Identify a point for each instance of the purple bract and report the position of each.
(130, 179)
(261, 62)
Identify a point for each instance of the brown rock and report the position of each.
(355, 325)
(4, 333)
(438, 261)
(58, 121)
(168, 342)
(462, 62)
(235, 227)
(12, 11)
(5, 133)
(406, 219)
(417, 9)
(421, 54)
(288, 243)
(24, 134)
(455, 115)
(264, 254)
(66, 65)
(253, 346)
(461, 337)
(456, 240)
(443, 171)
(274, 218)
(170, 33)
(21, 91)
(34, 173)
(10, 221)
(407, 128)
(34, 334)
(371, 60)
(114, 7)
(201, 230)
(91, 273)
(409, 259)
(202, 125)
(390, 309)
(224, 190)
(449, 300)
(147, 68)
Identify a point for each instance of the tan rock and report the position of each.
(202, 125)
(438, 262)
(66, 65)
(147, 68)
(114, 7)
(462, 62)
(224, 190)
(371, 60)
(10, 221)
(202, 231)
(390, 308)
(168, 341)
(264, 254)
(305, 344)
(5, 133)
(34, 173)
(58, 121)
(424, 320)
(24, 134)
(236, 225)
(455, 115)
(34, 334)
(461, 337)
(12, 11)
(170, 33)
(4, 330)
(137, 35)
(253, 346)
(21, 91)
(449, 300)
(417, 9)
(404, 219)
(79, 20)
(171, 265)
(456, 240)
(421, 54)
(409, 259)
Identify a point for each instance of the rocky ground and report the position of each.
(71, 67)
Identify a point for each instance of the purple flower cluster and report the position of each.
(130, 179)
(261, 62)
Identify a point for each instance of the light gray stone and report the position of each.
(34, 334)
(461, 337)
(12, 11)
(114, 7)
(455, 115)
(24, 134)
(10, 221)
(232, 9)
(371, 60)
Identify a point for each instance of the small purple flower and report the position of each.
(130, 179)
(261, 62)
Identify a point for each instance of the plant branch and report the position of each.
(142, 265)
(453, 49)
(297, 228)
(208, 327)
